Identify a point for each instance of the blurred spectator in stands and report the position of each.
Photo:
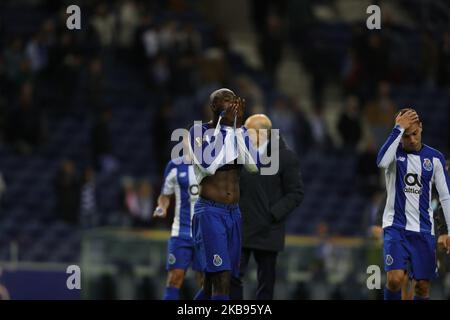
(249, 90)
(104, 24)
(128, 23)
(319, 129)
(103, 157)
(219, 39)
(63, 71)
(36, 52)
(376, 59)
(367, 172)
(95, 87)
(161, 76)
(349, 123)
(352, 72)
(2, 188)
(214, 67)
(26, 125)
(67, 191)
(3, 110)
(167, 37)
(262, 9)
(379, 113)
(138, 201)
(88, 210)
(283, 118)
(302, 131)
(18, 69)
(188, 48)
(162, 122)
(189, 40)
(429, 58)
(147, 39)
(444, 61)
(271, 45)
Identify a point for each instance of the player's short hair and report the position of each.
(402, 111)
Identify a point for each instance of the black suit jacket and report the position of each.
(266, 201)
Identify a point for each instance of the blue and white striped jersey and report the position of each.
(179, 179)
(409, 180)
(213, 148)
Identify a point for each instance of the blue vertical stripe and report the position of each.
(400, 197)
(424, 203)
(185, 204)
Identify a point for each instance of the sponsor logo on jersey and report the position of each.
(413, 184)
(401, 159)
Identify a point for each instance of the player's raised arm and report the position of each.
(388, 151)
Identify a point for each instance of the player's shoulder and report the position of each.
(432, 152)
(178, 163)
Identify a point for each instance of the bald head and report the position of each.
(258, 121)
(259, 126)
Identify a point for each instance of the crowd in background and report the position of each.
(49, 71)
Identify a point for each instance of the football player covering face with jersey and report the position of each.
(217, 218)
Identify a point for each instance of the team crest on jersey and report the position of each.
(217, 260)
(389, 260)
(172, 259)
(427, 164)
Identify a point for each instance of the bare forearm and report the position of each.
(163, 201)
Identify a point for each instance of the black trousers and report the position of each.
(266, 262)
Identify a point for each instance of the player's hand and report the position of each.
(376, 232)
(407, 119)
(238, 110)
(444, 242)
(159, 213)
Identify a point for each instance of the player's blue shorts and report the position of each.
(411, 251)
(216, 229)
(180, 254)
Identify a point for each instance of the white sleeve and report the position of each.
(169, 182)
(388, 151)
(442, 183)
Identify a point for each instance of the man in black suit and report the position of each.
(266, 201)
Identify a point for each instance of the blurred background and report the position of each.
(86, 117)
